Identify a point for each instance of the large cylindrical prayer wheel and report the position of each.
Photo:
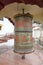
(23, 33)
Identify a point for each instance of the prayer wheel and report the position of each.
(23, 33)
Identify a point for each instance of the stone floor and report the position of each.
(11, 58)
(5, 48)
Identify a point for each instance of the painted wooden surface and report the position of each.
(11, 58)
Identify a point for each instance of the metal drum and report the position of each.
(23, 42)
(23, 33)
(23, 24)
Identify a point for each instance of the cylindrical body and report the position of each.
(23, 24)
(23, 34)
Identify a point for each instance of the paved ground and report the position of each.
(5, 48)
(11, 58)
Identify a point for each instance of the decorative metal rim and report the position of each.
(24, 15)
(25, 52)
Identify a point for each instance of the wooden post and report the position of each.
(23, 10)
(0, 26)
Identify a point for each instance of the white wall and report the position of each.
(7, 27)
